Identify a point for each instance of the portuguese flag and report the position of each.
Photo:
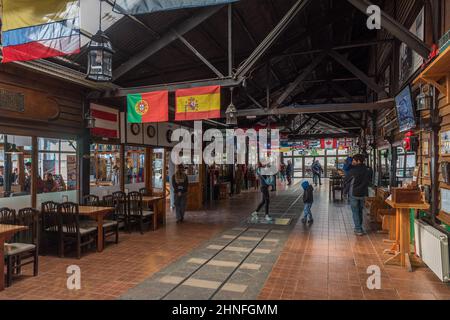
(198, 103)
(148, 107)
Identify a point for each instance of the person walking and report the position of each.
(289, 172)
(180, 183)
(317, 172)
(356, 185)
(265, 181)
(282, 172)
(308, 199)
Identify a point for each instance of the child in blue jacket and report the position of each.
(308, 199)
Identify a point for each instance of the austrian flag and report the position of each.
(106, 122)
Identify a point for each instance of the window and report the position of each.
(158, 169)
(15, 171)
(134, 168)
(104, 169)
(57, 165)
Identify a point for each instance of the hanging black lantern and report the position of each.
(100, 55)
(231, 112)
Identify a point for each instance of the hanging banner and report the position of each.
(134, 7)
(198, 103)
(40, 29)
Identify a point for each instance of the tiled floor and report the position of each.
(327, 261)
(109, 274)
(324, 261)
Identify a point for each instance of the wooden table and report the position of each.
(6, 232)
(153, 201)
(402, 245)
(98, 213)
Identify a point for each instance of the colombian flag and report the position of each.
(198, 103)
(148, 107)
(40, 29)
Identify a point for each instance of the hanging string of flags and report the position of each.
(329, 144)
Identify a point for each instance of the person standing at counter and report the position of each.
(180, 183)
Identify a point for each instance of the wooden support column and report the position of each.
(393, 171)
(434, 164)
(148, 170)
(84, 156)
(34, 171)
(123, 161)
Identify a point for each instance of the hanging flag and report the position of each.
(106, 121)
(198, 103)
(40, 29)
(134, 7)
(148, 107)
(328, 143)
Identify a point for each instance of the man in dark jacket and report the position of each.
(356, 183)
(308, 199)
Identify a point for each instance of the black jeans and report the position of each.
(265, 201)
(180, 205)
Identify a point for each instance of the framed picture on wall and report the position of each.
(426, 169)
(445, 143)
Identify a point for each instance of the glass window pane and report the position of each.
(134, 168)
(298, 167)
(45, 144)
(342, 152)
(68, 146)
(104, 169)
(15, 172)
(158, 168)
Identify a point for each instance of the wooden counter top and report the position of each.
(420, 206)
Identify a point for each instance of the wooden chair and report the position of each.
(71, 232)
(110, 224)
(25, 249)
(91, 200)
(7, 216)
(50, 225)
(144, 192)
(121, 211)
(337, 184)
(136, 215)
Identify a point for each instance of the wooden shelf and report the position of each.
(436, 71)
(444, 217)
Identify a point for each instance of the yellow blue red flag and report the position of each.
(40, 29)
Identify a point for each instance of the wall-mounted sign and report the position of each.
(12, 101)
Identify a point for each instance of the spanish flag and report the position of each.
(198, 103)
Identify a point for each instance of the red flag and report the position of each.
(328, 143)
